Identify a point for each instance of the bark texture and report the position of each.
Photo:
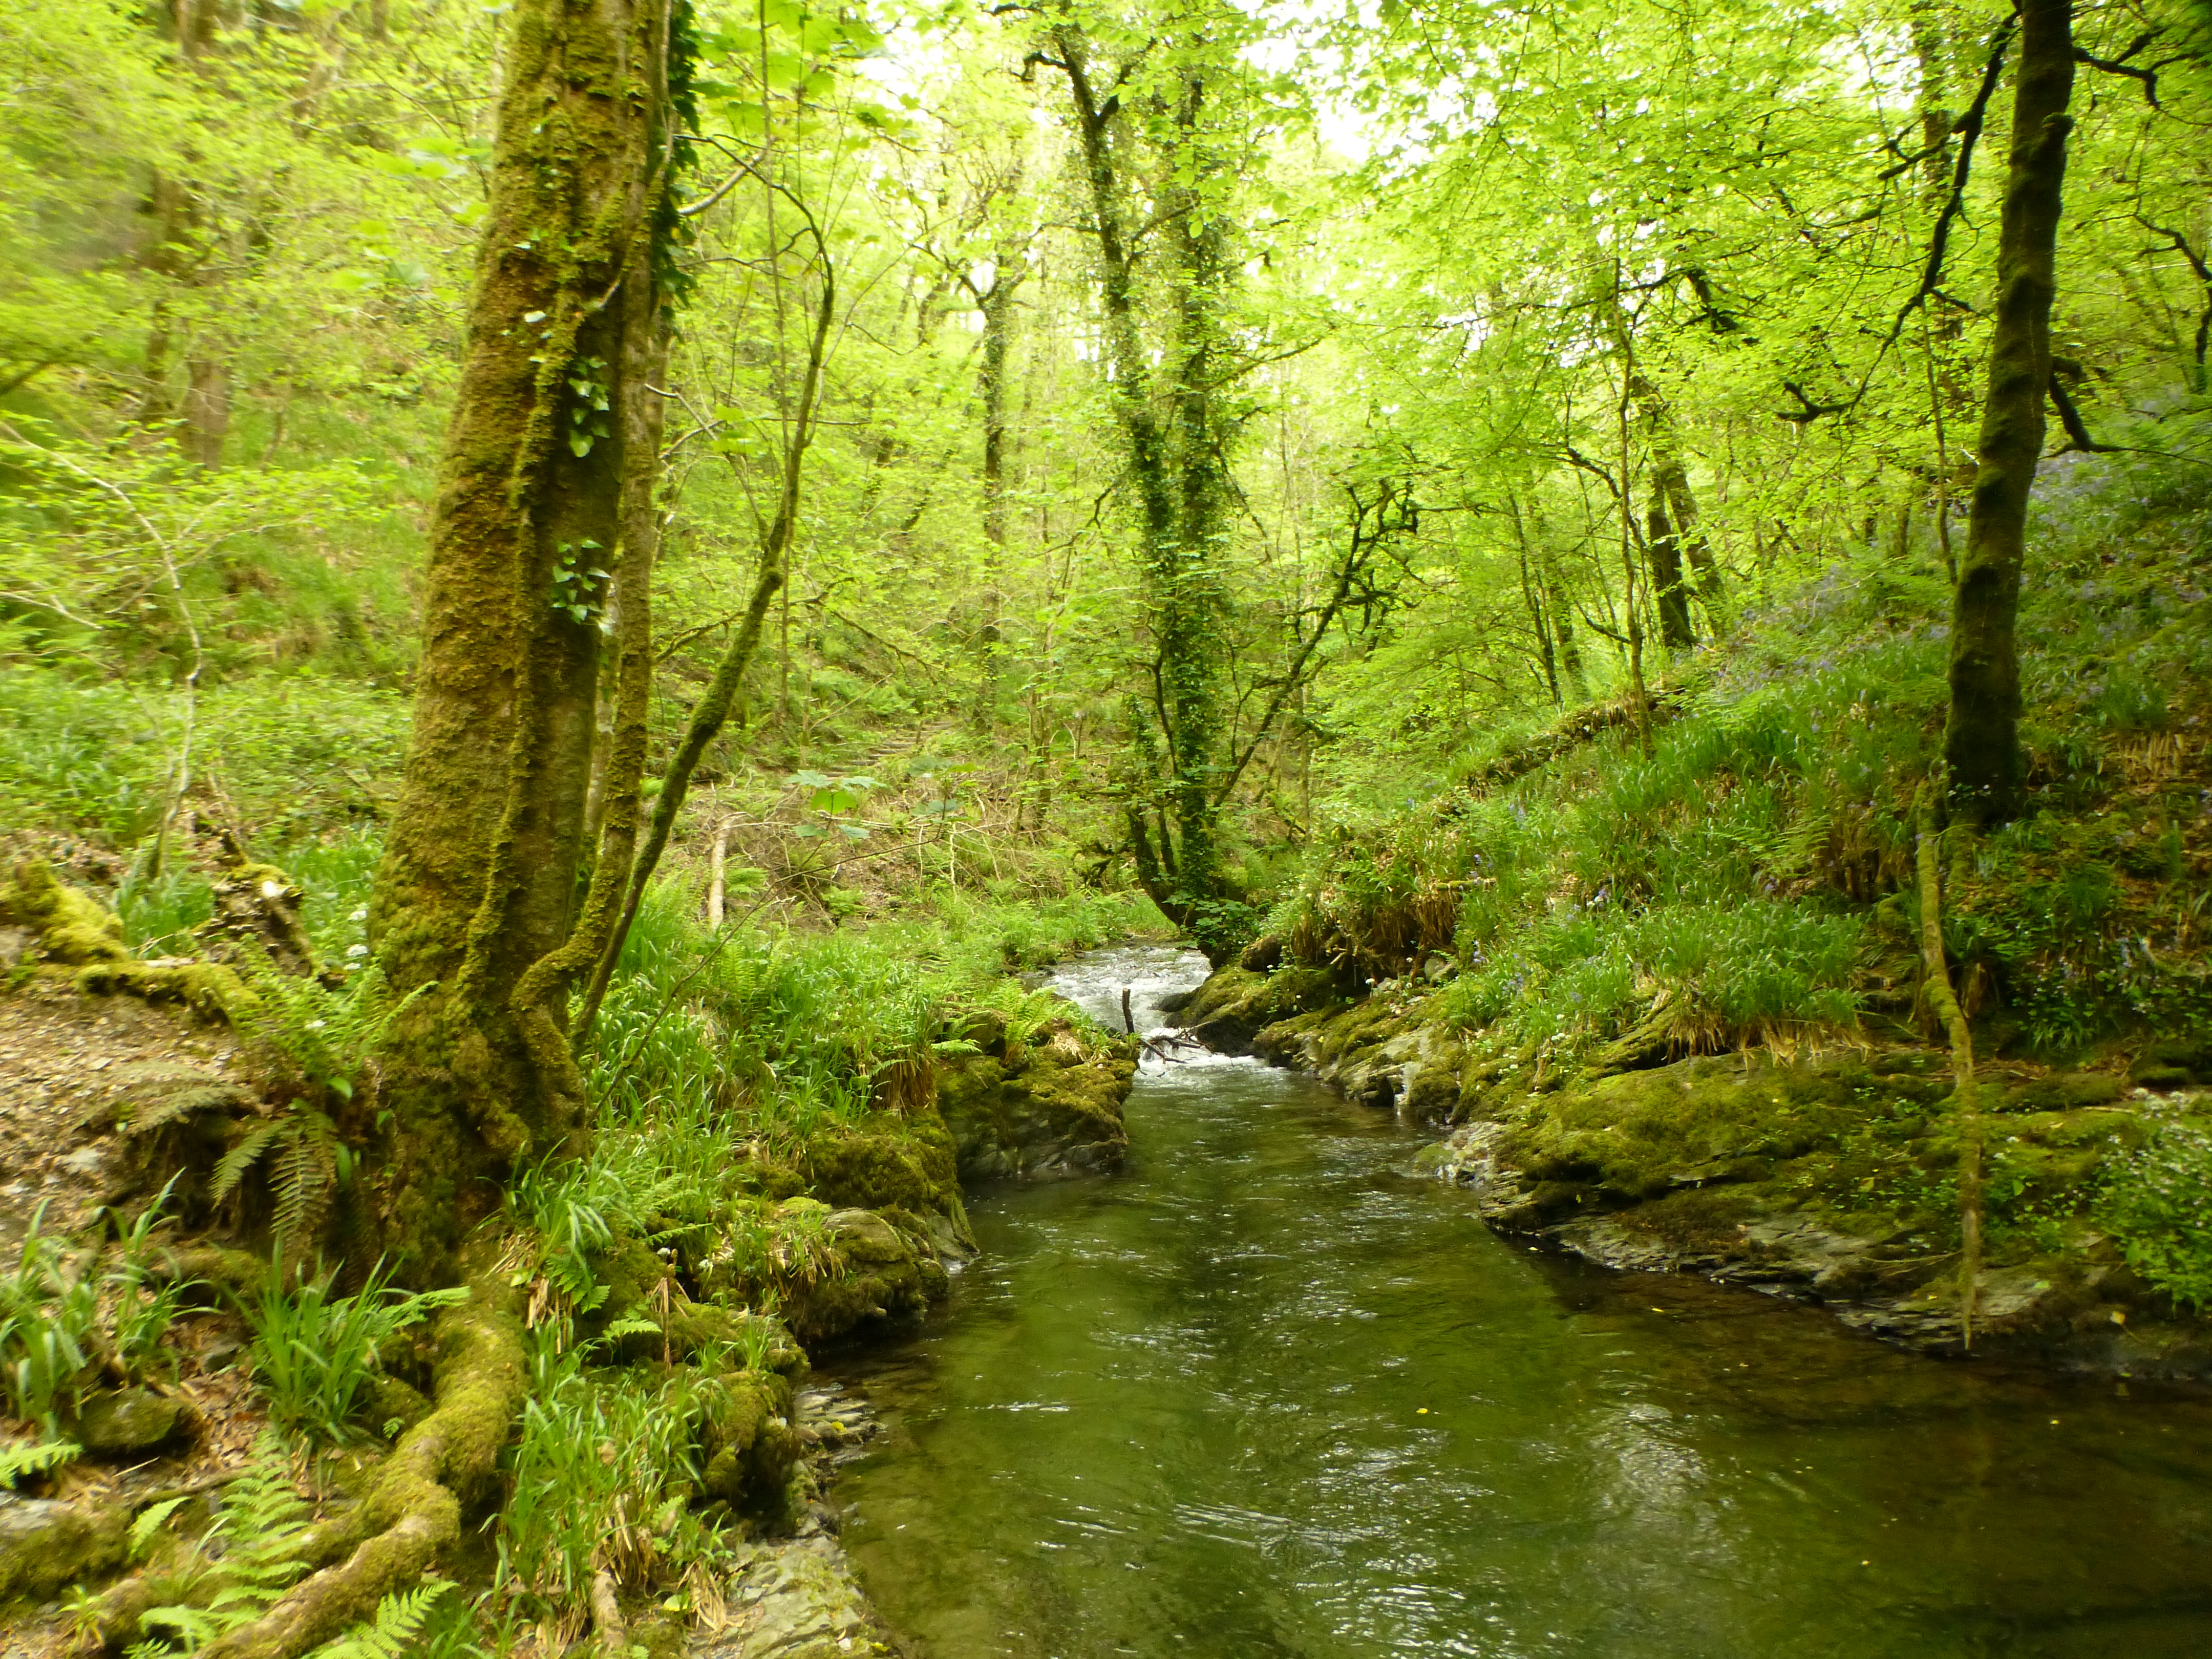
(479, 887)
(1981, 742)
(1177, 434)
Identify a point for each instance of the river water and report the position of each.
(1269, 1393)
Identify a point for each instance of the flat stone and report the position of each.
(795, 1600)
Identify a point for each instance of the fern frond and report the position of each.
(16, 1461)
(239, 1158)
(150, 1520)
(305, 1168)
(400, 1618)
(139, 1114)
(132, 1074)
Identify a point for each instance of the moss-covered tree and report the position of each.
(1981, 741)
(1171, 408)
(541, 545)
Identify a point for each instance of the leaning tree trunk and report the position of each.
(479, 887)
(1981, 743)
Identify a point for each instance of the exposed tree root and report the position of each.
(414, 1509)
(411, 1510)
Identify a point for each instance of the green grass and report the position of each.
(314, 1353)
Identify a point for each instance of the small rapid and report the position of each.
(1271, 1392)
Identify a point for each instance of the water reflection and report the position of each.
(1265, 1394)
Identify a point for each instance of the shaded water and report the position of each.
(1265, 1394)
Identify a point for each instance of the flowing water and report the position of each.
(1268, 1393)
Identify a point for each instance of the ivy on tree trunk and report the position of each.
(1981, 742)
(553, 436)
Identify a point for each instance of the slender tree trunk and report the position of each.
(207, 412)
(1664, 555)
(478, 888)
(724, 690)
(1981, 743)
(998, 307)
(1176, 464)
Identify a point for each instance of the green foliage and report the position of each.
(311, 1047)
(160, 914)
(601, 1474)
(77, 755)
(234, 1572)
(403, 1622)
(1714, 976)
(314, 1353)
(49, 1321)
(63, 1317)
(2158, 1199)
(36, 1459)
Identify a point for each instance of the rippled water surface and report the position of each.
(1267, 1394)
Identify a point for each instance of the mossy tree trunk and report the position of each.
(551, 448)
(1981, 742)
(1176, 439)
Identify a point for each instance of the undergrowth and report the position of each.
(1748, 880)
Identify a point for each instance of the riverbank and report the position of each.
(1273, 1392)
(785, 1130)
(1825, 1176)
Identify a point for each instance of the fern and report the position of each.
(149, 1522)
(400, 1619)
(18, 1460)
(308, 1040)
(311, 1046)
(245, 1561)
(151, 1095)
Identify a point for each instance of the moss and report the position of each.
(746, 1447)
(207, 987)
(1638, 1134)
(2064, 1091)
(886, 1271)
(868, 1168)
(1235, 1003)
(1055, 1103)
(45, 1544)
(73, 927)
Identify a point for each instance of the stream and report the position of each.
(1268, 1392)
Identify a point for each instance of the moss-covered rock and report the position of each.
(1638, 1134)
(130, 1422)
(71, 927)
(1235, 1003)
(879, 1270)
(908, 1163)
(1050, 1106)
(45, 1544)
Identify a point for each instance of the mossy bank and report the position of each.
(1828, 1176)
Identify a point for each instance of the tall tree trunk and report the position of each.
(1981, 742)
(207, 412)
(1177, 452)
(1673, 480)
(1663, 554)
(998, 308)
(479, 884)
